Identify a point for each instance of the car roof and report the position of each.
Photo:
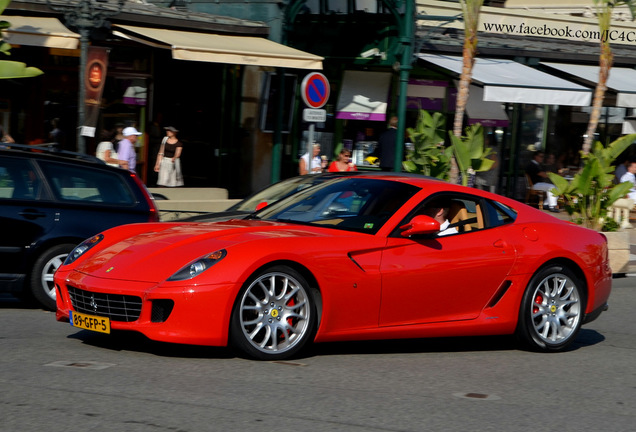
(48, 151)
(430, 185)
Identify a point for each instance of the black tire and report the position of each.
(41, 281)
(274, 315)
(552, 310)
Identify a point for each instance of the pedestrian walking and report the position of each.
(168, 163)
(126, 149)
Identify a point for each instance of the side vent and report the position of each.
(499, 294)
(354, 261)
(161, 310)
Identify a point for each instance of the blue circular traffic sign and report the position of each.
(315, 90)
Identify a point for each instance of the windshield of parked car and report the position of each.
(273, 193)
(354, 204)
(283, 189)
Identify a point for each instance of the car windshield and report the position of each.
(353, 204)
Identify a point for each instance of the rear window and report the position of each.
(499, 214)
(77, 183)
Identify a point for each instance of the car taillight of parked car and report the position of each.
(153, 215)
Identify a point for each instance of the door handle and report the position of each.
(499, 243)
(32, 214)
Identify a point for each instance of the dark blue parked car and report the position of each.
(50, 201)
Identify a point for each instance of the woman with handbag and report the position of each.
(168, 163)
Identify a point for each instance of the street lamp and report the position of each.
(85, 15)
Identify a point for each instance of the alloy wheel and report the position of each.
(556, 309)
(275, 313)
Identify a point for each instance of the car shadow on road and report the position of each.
(417, 346)
(7, 301)
(136, 342)
(584, 339)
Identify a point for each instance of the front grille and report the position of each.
(114, 306)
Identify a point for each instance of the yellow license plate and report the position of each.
(90, 322)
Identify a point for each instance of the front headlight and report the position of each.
(82, 248)
(198, 266)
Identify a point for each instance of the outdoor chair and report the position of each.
(530, 192)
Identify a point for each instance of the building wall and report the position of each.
(541, 23)
(268, 11)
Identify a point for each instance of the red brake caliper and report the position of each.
(538, 300)
(290, 303)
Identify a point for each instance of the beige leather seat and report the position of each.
(456, 213)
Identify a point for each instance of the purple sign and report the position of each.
(420, 100)
(424, 103)
(355, 115)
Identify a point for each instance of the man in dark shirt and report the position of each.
(386, 146)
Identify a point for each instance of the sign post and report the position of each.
(315, 93)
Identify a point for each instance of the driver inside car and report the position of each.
(438, 210)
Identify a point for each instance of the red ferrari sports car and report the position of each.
(365, 257)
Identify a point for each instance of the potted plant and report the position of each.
(471, 154)
(589, 194)
(429, 157)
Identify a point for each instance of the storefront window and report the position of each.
(531, 137)
(343, 6)
(566, 126)
(124, 104)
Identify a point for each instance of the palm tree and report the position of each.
(604, 9)
(470, 10)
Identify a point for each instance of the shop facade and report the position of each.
(197, 72)
(243, 121)
(538, 73)
(546, 91)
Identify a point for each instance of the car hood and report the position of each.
(156, 254)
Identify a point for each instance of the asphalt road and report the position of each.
(54, 378)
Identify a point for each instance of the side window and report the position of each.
(462, 213)
(18, 179)
(465, 214)
(457, 214)
(78, 183)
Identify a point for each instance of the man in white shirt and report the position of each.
(126, 150)
(630, 176)
(438, 210)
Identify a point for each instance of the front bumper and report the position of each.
(187, 314)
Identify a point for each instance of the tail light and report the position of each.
(154, 211)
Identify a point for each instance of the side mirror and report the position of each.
(420, 224)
